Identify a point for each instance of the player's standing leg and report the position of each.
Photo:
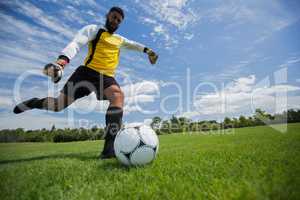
(113, 119)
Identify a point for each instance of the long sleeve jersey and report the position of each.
(103, 48)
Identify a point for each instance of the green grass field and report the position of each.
(248, 163)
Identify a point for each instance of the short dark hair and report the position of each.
(117, 9)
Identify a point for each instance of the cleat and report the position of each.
(108, 150)
(107, 155)
(26, 105)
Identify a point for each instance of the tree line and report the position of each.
(172, 125)
(52, 135)
(260, 117)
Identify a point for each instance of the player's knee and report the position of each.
(121, 95)
(61, 103)
(58, 105)
(118, 97)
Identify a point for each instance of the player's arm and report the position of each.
(132, 45)
(83, 36)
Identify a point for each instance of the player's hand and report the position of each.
(61, 63)
(152, 56)
(54, 71)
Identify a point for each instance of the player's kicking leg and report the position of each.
(113, 119)
(48, 103)
(77, 86)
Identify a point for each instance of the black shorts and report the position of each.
(84, 81)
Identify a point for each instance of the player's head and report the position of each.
(114, 18)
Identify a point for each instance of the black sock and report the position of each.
(39, 104)
(113, 120)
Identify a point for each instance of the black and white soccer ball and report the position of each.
(54, 71)
(136, 145)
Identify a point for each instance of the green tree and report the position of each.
(165, 127)
(242, 121)
(228, 123)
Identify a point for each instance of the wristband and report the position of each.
(65, 63)
(146, 49)
(65, 58)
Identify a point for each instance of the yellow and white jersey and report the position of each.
(104, 58)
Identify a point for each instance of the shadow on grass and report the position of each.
(80, 156)
(109, 164)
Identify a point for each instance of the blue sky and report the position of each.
(216, 58)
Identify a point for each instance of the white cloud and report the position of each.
(188, 36)
(72, 15)
(169, 20)
(254, 12)
(266, 17)
(92, 3)
(89, 104)
(139, 88)
(190, 114)
(237, 12)
(14, 26)
(140, 98)
(82, 16)
(227, 72)
(244, 96)
(136, 95)
(161, 30)
(24, 53)
(29, 50)
(14, 65)
(291, 61)
(5, 102)
(40, 17)
(148, 20)
(183, 13)
(173, 12)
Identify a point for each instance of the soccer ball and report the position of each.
(136, 145)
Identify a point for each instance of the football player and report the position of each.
(95, 75)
